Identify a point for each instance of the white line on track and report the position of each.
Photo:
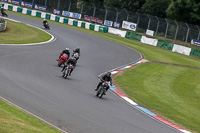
(53, 38)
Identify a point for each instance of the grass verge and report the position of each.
(13, 120)
(170, 91)
(19, 33)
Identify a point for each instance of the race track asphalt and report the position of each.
(31, 79)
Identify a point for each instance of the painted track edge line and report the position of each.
(118, 69)
(53, 38)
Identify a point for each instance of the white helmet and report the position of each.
(67, 48)
(44, 19)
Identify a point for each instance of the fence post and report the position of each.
(148, 22)
(127, 14)
(176, 31)
(32, 1)
(116, 14)
(82, 8)
(138, 19)
(45, 3)
(157, 25)
(94, 10)
(187, 33)
(199, 32)
(166, 28)
(58, 4)
(106, 12)
(69, 5)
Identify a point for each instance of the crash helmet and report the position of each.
(108, 74)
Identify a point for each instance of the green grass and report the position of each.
(170, 91)
(19, 33)
(13, 120)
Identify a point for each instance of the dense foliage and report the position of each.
(180, 10)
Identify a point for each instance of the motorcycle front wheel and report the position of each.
(59, 64)
(101, 94)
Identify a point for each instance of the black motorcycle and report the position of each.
(3, 13)
(102, 89)
(46, 25)
(67, 71)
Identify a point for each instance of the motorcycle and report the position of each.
(62, 60)
(102, 89)
(46, 25)
(75, 56)
(67, 71)
(4, 14)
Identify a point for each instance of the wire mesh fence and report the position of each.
(165, 29)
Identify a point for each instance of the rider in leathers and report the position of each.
(105, 77)
(3, 12)
(69, 61)
(66, 51)
(77, 50)
(45, 22)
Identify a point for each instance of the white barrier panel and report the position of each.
(79, 23)
(61, 19)
(6, 6)
(33, 13)
(15, 8)
(87, 26)
(129, 25)
(24, 11)
(43, 15)
(150, 32)
(181, 49)
(70, 21)
(53, 17)
(149, 41)
(3, 26)
(117, 32)
(96, 28)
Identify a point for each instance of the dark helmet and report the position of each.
(108, 74)
(77, 49)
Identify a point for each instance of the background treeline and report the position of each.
(180, 10)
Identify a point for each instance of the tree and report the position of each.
(131, 5)
(93, 1)
(184, 10)
(155, 7)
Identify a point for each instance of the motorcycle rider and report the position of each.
(105, 77)
(65, 51)
(71, 61)
(77, 50)
(45, 22)
(3, 12)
